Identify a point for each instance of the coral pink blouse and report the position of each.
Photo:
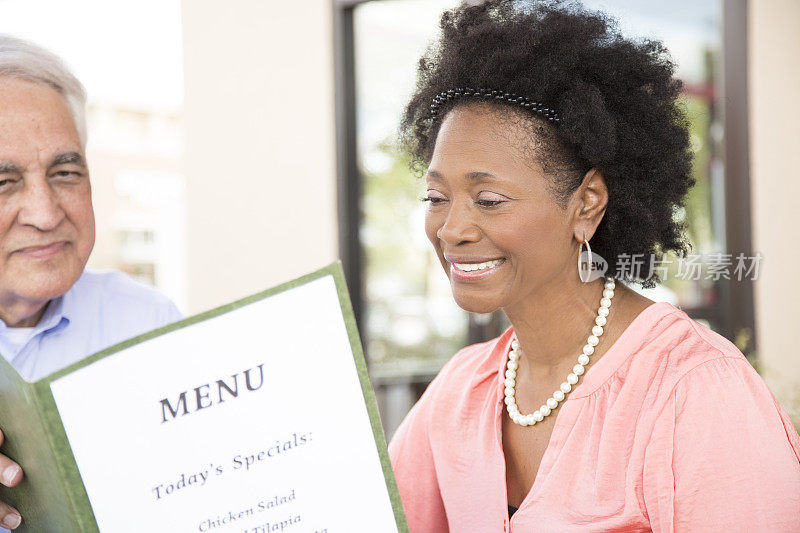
(670, 430)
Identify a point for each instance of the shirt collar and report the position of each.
(53, 314)
(57, 314)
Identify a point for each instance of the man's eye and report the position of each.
(66, 174)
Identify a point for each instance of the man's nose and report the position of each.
(40, 206)
(458, 227)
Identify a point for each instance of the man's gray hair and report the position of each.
(25, 60)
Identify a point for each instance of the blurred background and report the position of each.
(237, 145)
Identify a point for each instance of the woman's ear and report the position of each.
(590, 202)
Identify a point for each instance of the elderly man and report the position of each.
(52, 311)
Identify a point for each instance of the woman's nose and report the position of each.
(458, 227)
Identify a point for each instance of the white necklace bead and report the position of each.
(558, 396)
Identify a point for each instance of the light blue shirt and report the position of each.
(100, 310)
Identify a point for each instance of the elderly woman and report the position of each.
(544, 132)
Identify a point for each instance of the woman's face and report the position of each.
(498, 231)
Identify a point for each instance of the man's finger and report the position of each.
(9, 517)
(10, 472)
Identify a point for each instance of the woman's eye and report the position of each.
(433, 199)
(489, 200)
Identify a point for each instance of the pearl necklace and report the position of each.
(572, 378)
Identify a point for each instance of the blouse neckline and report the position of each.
(605, 367)
(631, 338)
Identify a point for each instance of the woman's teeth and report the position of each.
(471, 267)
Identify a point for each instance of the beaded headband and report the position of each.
(537, 107)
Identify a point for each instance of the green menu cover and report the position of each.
(254, 417)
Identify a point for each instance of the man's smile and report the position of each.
(43, 251)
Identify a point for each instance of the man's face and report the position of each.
(46, 217)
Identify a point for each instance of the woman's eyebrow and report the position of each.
(433, 174)
(477, 175)
(481, 176)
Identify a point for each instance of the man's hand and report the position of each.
(10, 476)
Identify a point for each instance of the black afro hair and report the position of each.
(616, 98)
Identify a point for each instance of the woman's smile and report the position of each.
(466, 269)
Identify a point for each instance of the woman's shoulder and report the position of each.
(702, 362)
(464, 381)
(715, 433)
(472, 368)
(660, 346)
(685, 375)
(679, 344)
(483, 355)
(682, 361)
(664, 350)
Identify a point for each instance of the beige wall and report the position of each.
(259, 144)
(774, 78)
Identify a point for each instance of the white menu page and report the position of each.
(253, 421)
